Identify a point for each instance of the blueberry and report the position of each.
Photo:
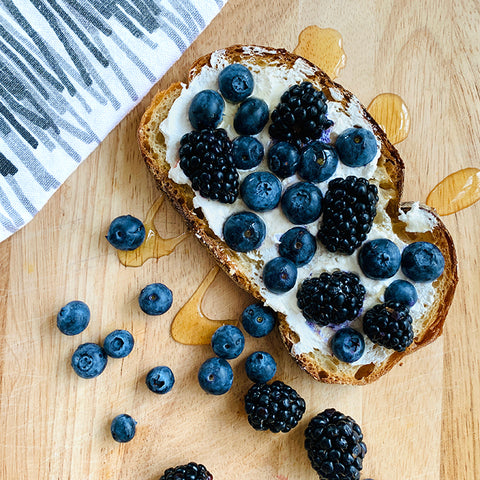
(247, 152)
(298, 245)
(401, 291)
(118, 344)
(422, 262)
(244, 231)
(155, 299)
(356, 147)
(258, 320)
(251, 116)
(379, 259)
(347, 345)
(235, 83)
(160, 380)
(261, 191)
(283, 158)
(89, 360)
(126, 233)
(228, 342)
(279, 275)
(123, 428)
(260, 367)
(215, 376)
(206, 110)
(318, 162)
(73, 318)
(302, 203)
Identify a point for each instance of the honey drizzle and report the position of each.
(391, 113)
(154, 246)
(455, 192)
(323, 47)
(190, 325)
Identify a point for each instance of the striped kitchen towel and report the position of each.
(70, 70)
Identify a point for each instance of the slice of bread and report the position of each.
(406, 222)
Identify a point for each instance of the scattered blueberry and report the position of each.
(160, 380)
(89, 360)
(422, 262)
(73, 318)
(260, 367)
(298, 245)
(251, 116)
(206, 110)
(118, 344)
(348, 345)
(228, 342)
(283, 158)
(247, 152)
(155, 299)
(302, 203)
(318, 162)
(123, 428)
(244, 231)
(235, 83)
(261, 191)
(279, 275)
(356, 147)
(379, 259)
(215, 376)
(401, 291)
(258, 320)
(126, 233)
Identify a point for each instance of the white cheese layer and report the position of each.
(270, 82)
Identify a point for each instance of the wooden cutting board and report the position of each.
(421, 421)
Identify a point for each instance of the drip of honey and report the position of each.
(154, 246)
(190, 325)
(391, 113)
(457, 191)
(323, 47)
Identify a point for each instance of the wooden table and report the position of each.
(421, 421)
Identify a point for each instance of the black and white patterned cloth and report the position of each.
(70, 70)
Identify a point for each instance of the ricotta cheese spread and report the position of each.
(270, 82)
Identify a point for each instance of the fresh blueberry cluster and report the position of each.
(207, 156)
(332, 300)
(89, 359)
(215, 375)
(341, 213)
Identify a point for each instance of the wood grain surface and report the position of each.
(421, 421)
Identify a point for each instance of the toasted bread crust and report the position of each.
(321, 367)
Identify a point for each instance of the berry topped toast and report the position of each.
(295, 190)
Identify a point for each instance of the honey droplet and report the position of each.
(323, 47)
(457, 191)
(391, 113)
(154, 246)
(190, 325)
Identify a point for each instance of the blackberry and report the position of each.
(206, 159)
(390, 325)
(334, 445)
(300, 117)
(349, 208)
(275, 407)
(191, 471)
(331, 298)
